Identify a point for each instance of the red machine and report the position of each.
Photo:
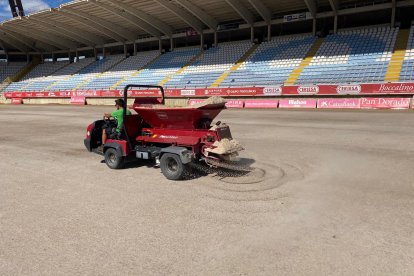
(172, 137)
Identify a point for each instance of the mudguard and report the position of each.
(116, 146)
(184, 153)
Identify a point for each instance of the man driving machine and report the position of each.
(111, 128)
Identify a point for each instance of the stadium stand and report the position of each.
(397, 58)
(272, 62)
(407, 71)
(352, 56)
(167, 64)
(124, 69)
(210, 65)
(34, 77)
(10, 69)
(41, 83)
(87, 74)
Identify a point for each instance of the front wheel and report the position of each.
(113, 160)
(172, 167)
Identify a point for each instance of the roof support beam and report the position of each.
(2, 45)
(18, 45)
(184, 15)
(152, 20)
(334, 5)
(312, 7)
(128, 17)
(199, 13)
(262, 10)
(52, 30)
(74, 33)
(242, 11)
(92, 25)
(22, 39)
(46, 38)
(101, 25)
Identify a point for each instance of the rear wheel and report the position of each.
(172, 167)
(113, 160)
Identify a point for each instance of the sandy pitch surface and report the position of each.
(334, 196)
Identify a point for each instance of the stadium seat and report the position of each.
(272, 62)
(210, 65)
(164, 66)
(87, 74)
(33, 81)
(121, 71)
(10, 69)
(352, 56)
(407, 72)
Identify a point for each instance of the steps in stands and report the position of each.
(235, 66)
(181, 70)
(397, 58)
(119, 82)
(26, 70)
(70, 75)
(293, 77)
(85, 82)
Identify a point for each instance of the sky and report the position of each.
(29, 6)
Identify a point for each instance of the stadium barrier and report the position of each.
(179, 97)
(385, 103)
(261, 104)
(298, 103)
(17, 101)
(292, 103)
(296, 90)
(81, 100)
(339, 104)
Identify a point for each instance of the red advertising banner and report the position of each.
(385, 103)
(194, 102)
(297, 103)
(81, 100)
(17, 101)
(235, 104)
(339, 103)
(261, 103)
(298, 90)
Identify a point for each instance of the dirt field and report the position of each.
(334, 196)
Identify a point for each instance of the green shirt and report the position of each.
(119, 116)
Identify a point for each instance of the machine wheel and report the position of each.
(113, 160)
(172, 167)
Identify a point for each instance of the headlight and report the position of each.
(88, 133)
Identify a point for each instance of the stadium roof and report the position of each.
(85, 24)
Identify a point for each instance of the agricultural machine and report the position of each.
(173, 138)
